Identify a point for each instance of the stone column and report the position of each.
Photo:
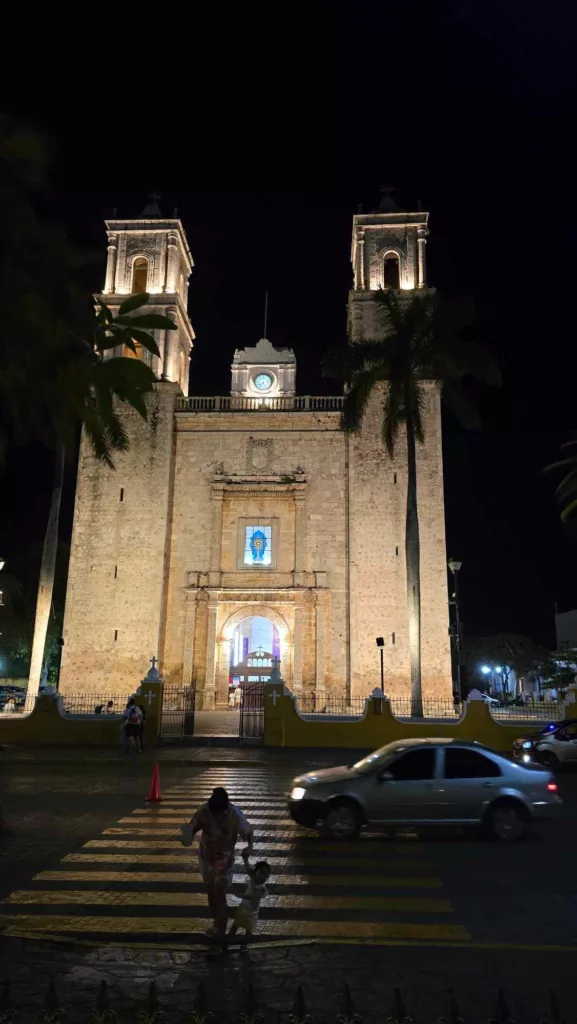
(171, 350)
(171, 262)
(216, 534)
(361, 258)
(189, 627)
(300, 537)
(321, 639)
(421, 243)
(208, 697)
(223, 672)
(110, 285)
(297, 679)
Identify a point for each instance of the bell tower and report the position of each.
(150, 253)
(388, 251)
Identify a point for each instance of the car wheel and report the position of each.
(342, 820)
(549, 759)
(507, 821)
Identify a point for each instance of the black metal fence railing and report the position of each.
(251, 724)
(178, 712)
(402, 707)
(311, 704)
(540, 711)
(434, 708)
(93, 703)
(248, 1008)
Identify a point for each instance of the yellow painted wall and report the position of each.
(47, 726)
(284, 727)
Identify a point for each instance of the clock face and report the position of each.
(263, 382)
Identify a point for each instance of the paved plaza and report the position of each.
(96, 886)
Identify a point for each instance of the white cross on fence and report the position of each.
(150, 697)
(274, 696)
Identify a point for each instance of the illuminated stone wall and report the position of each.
(115, 594)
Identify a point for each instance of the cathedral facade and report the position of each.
(251, 523)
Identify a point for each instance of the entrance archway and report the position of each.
(267, 624)
(255, 641)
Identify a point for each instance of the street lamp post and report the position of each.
(455, 566)
(381, 644)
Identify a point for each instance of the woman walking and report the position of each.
(221, 824)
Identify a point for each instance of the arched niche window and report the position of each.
(139, 275)
(391, 271)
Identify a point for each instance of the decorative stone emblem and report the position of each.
(259, 455)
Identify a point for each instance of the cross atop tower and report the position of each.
(152, 209)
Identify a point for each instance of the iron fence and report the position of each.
(402, 707)
(251, 725)
(248, 1008)
(93, 703)
(311, 704)
(72, 703)
(537, 712)
(178, 711)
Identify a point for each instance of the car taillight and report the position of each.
(552, 787)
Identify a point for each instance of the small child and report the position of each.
(246, 914)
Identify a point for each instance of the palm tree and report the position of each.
(419, 344)
(91, 387)
(566, 492)
(54, 374)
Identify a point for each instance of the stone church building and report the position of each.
(251, 523)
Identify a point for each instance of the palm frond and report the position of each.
(361, 387)
(566, 512)
(393, 418)
(567, 487)
(562, 464)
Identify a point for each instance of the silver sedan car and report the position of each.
(425, 782)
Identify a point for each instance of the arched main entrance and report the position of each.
(254, 644)
(247, 630)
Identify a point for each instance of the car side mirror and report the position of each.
(385, 776)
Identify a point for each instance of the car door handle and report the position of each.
(488, 785)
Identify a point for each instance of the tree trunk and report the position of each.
(46, 582)
(413, 560)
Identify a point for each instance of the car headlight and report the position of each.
(298, 793)
(527, 745)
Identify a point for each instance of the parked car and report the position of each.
(551, 746)
(492, 701)
(425, 782)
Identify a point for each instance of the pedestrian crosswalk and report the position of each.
(137, 881)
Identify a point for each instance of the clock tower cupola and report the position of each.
(263, 371)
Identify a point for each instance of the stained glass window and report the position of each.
(257, 545)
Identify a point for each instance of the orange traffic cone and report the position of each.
(154, 796)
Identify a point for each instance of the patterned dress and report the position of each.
(220, 833)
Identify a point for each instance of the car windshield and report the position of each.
(378, 757)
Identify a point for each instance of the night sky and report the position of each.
(267, 137)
